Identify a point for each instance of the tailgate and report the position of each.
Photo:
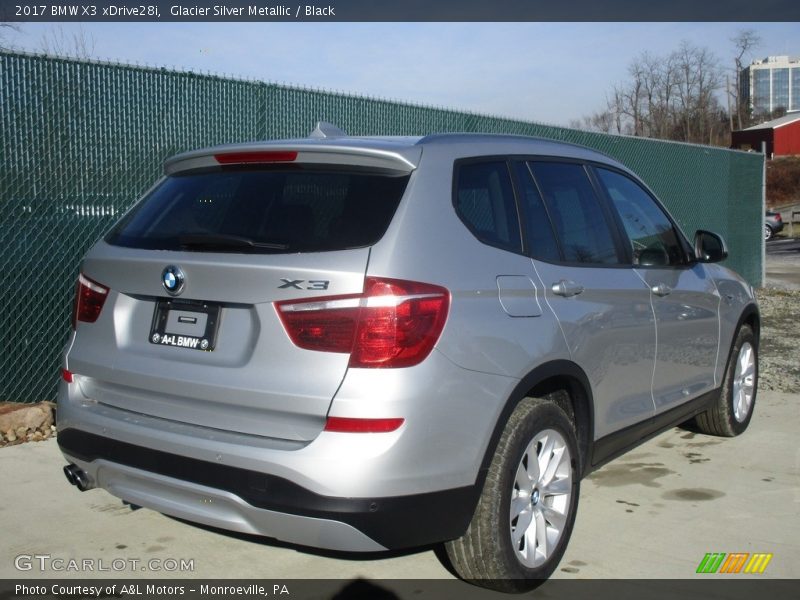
(189, 331)
(254, 381)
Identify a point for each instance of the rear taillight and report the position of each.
(394, 323)
(89, 299)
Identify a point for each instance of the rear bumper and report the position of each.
(252, 502)
(409, 487)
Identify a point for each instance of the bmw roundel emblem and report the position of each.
(172, 278)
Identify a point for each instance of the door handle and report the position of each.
(662, 289)
(567, 288)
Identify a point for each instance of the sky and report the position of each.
(546, 72)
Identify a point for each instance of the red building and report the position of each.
(781, 135)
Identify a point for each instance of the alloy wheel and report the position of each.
(744, 379)
(540, 498)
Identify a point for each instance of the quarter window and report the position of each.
(653, 240)
(576, 213)
(485, 202)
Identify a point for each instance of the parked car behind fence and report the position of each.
(773, 224)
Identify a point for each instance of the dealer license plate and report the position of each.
(185, 324)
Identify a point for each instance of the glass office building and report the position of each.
(771, 84)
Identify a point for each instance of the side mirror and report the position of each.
(709, 247)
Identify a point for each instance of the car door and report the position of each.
(602, 306)
(685, 300)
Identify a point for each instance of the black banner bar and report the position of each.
(711, 587)
(397, 10)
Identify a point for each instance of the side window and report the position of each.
(539, 229)
(577, 215)
(484, 201)
(653, 239)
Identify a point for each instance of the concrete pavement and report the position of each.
(653, 513)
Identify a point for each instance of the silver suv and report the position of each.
(365, 344)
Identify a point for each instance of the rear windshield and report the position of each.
(262, 211)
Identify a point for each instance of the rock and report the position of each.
(11, 436)
(37, 436)
(14, 416)
(47, 433)
(21, 432)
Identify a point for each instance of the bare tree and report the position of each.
(632, 94)
(745, 41)
(672, 97)
(77, 44)
(699, 79)
(602, 121)
(614, 104)
(4, 28)
(661, 77)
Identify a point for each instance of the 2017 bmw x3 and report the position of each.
(375, 343)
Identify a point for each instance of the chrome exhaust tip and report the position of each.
(78, 477)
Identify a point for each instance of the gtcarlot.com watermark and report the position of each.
(47, 563)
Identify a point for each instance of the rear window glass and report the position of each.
(263, 211)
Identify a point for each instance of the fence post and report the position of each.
(763, 214)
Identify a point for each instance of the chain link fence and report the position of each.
(83, 140)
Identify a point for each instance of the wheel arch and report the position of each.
(719, 416)
(567, 385)
(750, 316)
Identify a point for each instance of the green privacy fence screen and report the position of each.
(82, 140)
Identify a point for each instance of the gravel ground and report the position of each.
(779, 360)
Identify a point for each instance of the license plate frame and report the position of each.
(205, 342)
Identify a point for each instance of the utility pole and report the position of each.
(728, 95)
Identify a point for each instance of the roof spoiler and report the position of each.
(286, 153)
(340, 150)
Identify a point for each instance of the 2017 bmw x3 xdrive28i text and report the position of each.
(375, 343)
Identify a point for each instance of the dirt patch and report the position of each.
(779, 359)
(783, 181)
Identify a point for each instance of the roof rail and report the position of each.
(326, 130)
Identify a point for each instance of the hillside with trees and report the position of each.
(684, 96)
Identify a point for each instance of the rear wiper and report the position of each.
(220, 240)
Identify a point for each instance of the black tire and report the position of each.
(768, 233)
(722, 418)
(486, 555)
